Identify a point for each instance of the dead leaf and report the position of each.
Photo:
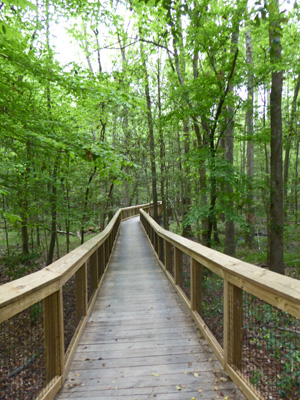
(77, 374)
(178, 387)
(196, 374)
(223, 379)
(216, 388)
(154, 374)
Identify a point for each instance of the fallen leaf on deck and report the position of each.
(154, 374)
(77, 374)
(178, 387)
(196, 374)
(200, 389)
(216, 388)
(223, 380)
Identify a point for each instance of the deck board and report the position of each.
(139, 342)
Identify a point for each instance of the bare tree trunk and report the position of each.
(53, 198)
(289, 140)
(250, 144)
(151, 135)
(276, 205)
(162, 151)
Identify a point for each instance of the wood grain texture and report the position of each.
(139, 342)
(281, 291)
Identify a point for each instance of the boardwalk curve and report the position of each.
(139, 342)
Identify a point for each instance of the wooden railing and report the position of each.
(251, 304)
(80, 273)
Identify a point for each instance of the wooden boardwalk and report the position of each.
(139, 342)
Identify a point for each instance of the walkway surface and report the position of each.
(139, 342)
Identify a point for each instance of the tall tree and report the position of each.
(276, 200)
(250, 143)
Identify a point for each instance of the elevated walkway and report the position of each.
(139, 342)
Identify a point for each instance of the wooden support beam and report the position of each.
(94, 271)
(233, 325)
(178, 267)
(101, 261)
(196, 286)
(161, 249)
(168, 256)
(107, 253)
(54, 335)
(81, 292)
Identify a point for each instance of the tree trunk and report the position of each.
(288, 142)
(151, 134)
(53, 215)
(229, 147)
(86, 198)
(276, 204)
(162, 151)
(250, 144)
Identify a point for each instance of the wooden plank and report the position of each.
(233, 325)
(168, 256)
(196, 286)
(81, 292)
(281, 291)
(94, 272)
(139, 337)
(54, 335)
(178, 266)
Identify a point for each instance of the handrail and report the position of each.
(239, 279)
(88, 265)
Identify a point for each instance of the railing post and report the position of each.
(168, 256)
(233, 324)
(107, 254)
(160, 248)
(94, 271)
(178, 267)
(54, 335)
(196, 286)
(81, 292)
(101, 261)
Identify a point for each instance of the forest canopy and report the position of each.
(192, 102)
